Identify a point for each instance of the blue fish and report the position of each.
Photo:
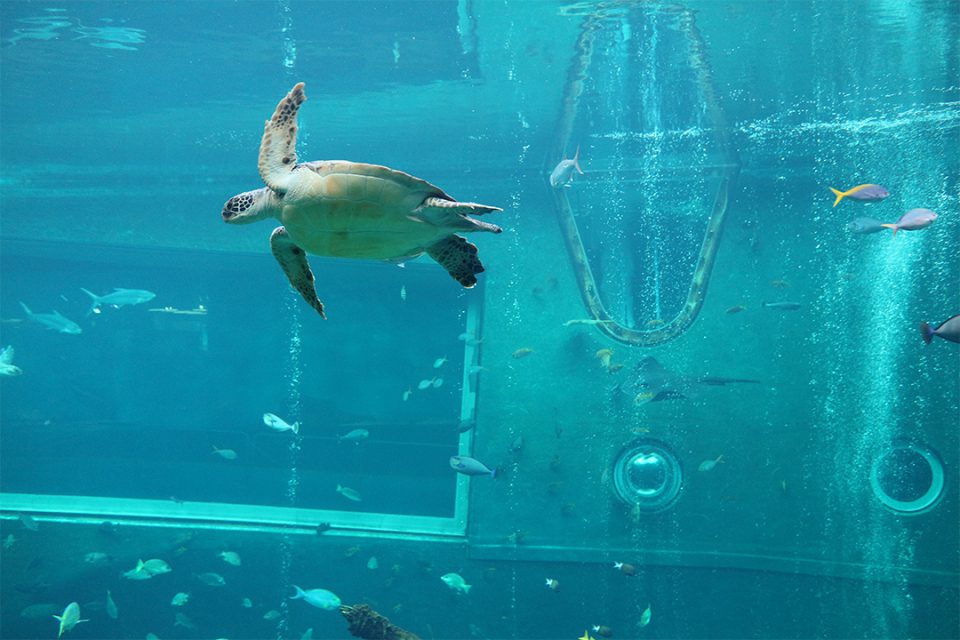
(471, 467)
(320, 598)
(949, 330)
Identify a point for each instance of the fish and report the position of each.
(471, 467)
(407, 394)
(782, 306)
(562, 174)
(586, 636)
(54, 321)
(602, 630)
(156, 566)
(708, 465)
(439, 362)
(625, 568)
(864, 226)
(587, 321)
(469, 339)
(9, 541)
(779, 284)
(553, 584)
(180, 599)
(308, 634)
(138, 573)
(645, 616)
(736, 309)
(39, 610)
(456, 582)
(212, 579)
(183, 620)
(231, 557)
(118, 298)
(319, 598)
(7, 368)
(111, 607)
(862, 192)
(522, 352)
(97, 557)
(151, 636)
(69, 618)
(651, 382)
(604, 355)
(425, 384)
(226, 454)
(949, 330)
(372, 563)
(277, 424)
(273, 614)
(29, 522)
(437, 383)
(913, 220)
(348, 493)
(403, 292)
(246, 603)
(357, 435)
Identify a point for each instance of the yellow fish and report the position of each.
(865, 192)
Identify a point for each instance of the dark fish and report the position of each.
(949, 329)
(782, 306)
(864, 192)
(471, 467)
(864, 226)
(651, 382)
(736, 309)
(913, 220)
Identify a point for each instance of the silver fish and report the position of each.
(118, 298)
(112, 610)
(913, 220)
(357, 435)
(69, 618)
(782, 306)
(471, 466)
(53, 321)
(7, 368)
(562, 174)
(320, 598)
(865, 226)
(348, 493)
(949, 330)
(277, 424)
(212, 579)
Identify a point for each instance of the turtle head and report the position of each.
(251, 206)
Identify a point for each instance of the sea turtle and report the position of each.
(351, 210)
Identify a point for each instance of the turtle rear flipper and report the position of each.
(459, 258)
(278, 153)
(293, 261)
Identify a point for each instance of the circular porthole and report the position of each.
(908, 478)
(647, 475)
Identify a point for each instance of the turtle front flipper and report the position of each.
(459, 258)
(278, 154)
(293, 261)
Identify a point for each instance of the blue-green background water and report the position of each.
(125, 126)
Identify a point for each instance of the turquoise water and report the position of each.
(709, 134)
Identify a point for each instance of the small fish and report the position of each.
(308, 634)
(349, 552)
(604, 355)
(708, 465)
(39, 610)
(471, 467)
(7, 368)
(111, 607)
(180, 599)
(469, 339)
(425, 384)
(273, 614)
(782, 306)
(403, 292)
(863, 192)
(29, 522)
(736, 309)
(53, 321)
(625, 568)
(246, 603)
(437, 383)
(118, 298)
(439, 362)
(587, 321)
(348, 493)
(357, 435)
(319, 598)
(645, 616)
(69, 618)
(586, 636)
(656, 322)
(456, 582)
(183, 620)
(156, 566)
(553, 584)
(226, 454)
(522, 352)
(407, 394)
(372, 563)
(913, 220)
(779, 284)
(212, 579)
(864, 226)
(231, 557)
(139, 572)
(603, 630)
(277, 424)
(476, 369)
(949, 330)
(562, 174)
(97, 557)
(9, 541)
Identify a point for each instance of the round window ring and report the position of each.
(647, 475)
(908, 478)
